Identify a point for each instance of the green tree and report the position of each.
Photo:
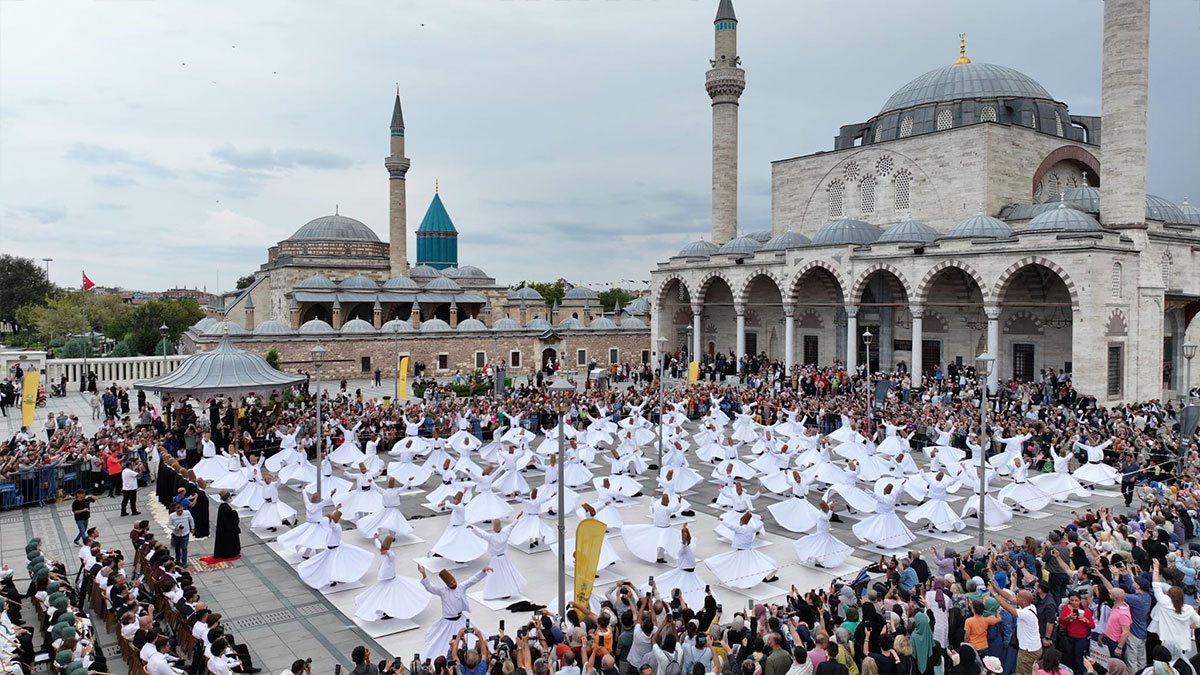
(244, 282)
(611, 296)
(76, 348)
(272, 358)
(142, 329)
(551, 290)
(22, 282)
(122, 349)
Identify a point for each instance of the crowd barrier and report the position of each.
(46, 485)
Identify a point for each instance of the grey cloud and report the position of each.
(40, 213)
(284, 158)
(90, 153)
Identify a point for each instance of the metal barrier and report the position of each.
(42, 486)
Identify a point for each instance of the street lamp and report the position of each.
(662, 386)
(396, 356)
(560, 387)
(866, 338)
(318, 359)
(47, 261)
(693, 354)
(163, 330)
(1189, 352)
(983, 367)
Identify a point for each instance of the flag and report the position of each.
(589, 537)
(87, 283)
(29, 394)
(402, 379)
(693, 372)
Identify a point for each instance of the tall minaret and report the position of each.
(725, 82)
(397, 166)
(1123, 90)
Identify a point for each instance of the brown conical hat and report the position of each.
(446, 577)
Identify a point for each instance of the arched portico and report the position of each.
(1030, 329)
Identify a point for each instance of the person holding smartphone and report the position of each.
(1077, 621)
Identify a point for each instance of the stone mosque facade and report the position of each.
(334, 282)
(973, 213)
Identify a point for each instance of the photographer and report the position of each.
(469, 661)
(299, 667)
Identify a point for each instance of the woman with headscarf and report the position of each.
(922, 644)
(937, 601)
(963, 661)
(874, 622)
(1115, 667)
(1172, 619)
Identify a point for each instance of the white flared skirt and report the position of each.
(487, 506)
(249, 497)
(298, 472)
(459, 544)
(576, 474)
(795, 514)
(885, 530)
(272, 514)
(1097, 474)
(741, 569)
(821, 548)
(306, 537)
(408, 474)
(530, 529)
(995, 513)
(504, 581)
(343, 564)
(512, 483)
(1060, 486)
(328, 485)
(939, 514)
(230, 480)
(211, 468)
(690, 584)
(387, 519)
(608, 514)
(398, 597)
(347, 454)
(650, 542)
(1025, 495)
(358, 502)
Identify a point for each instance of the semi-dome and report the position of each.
(603, 323)
(359, 282)
(434, 326)
(979, 226)
(223, 327)
(1158, 208)
(740, 246)
(358, 327)
(962, 81)
(846, 231)
(203, 324)
(632, 323)
(317, 281)
(401, 284)
(1063, 219)
(334, 228)
(443, 284)
(506, 323)
(421, 272)
(273, 327)
(315, 327)
(580, 293)
(526, 293)
(698, 249)
(396, 326)
(909, 231)
(570, 323)
(1191, 214)
(782, 242)
(638, 307)
(471, 324)
(761, 236)
(539, 324)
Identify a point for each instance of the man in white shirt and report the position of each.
(1029, 638)
(160, 661)
(220, 663)
(129, 485)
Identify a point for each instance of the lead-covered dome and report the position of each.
(1085, 198)
(698, 249)
(1158, 208)
(603, 323)
(423, 272)
(538, 323)
(506, 323)
(526, 293)
(580, 293)
(909, 231)
(740, 246)
(273, 327)
(396, 326)
(846, 231)
(401, 284)
(443, 284)
(472, 324)
(317, 281)
(334, 228)
(315, 327)
(434, 326)
(965, 80)
(1191, 214)
(359, 282)
(357, 327)
(979, 226)
(1062, 219)
(782, 242)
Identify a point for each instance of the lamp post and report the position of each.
(662, 388)
(866, 338)
(163, 330)
(560, 387)
(396, 357)
(690, 344)
(983, 367)
(1189, 352)
(318, 359)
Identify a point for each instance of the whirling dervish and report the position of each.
(392, 596)
(504, 581)
(338, 563)
(457, 543)
(657, 541)
(743, 567)
(822, 548)
(884, 528)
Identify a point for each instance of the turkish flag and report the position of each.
(87, 283)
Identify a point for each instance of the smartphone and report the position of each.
(501, 624)
(337, 669)
(397, 664)
(719, 608)
(651, 582)
(707, 589)
(416, 657)
(468, 625)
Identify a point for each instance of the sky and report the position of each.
(158, 144)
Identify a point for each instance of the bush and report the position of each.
(272, 358)
(122, 349)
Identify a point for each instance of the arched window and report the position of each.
(1053, 186)
(866, 193)
(1033, 121)
(1058, 128)
(906, 126)
(1117, 281)
(1166, 269)
(836, 191)
(945, 119)
(903, 186)
(987, 114)
(878, 132)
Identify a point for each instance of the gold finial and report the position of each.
(962, 50)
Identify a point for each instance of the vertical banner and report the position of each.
(589, 537)
(693, 372)
(29, 392)
(402, 379)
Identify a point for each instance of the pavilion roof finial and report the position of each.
(962, 50)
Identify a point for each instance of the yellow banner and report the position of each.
(29, 392)
(402, 379)
(693, 372)
(589, 537)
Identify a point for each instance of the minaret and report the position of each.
(397, 166)
(1124, 87)
(724, 83)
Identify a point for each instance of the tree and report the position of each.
(551, 291)
(77, 348)
(272, 358)
(142, 327)
(611, 296)
(122, 349)
(24, 283)
(64, 313)
(244, 282)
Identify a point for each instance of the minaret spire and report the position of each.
(397, 167)
(725, 82)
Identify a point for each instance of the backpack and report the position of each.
(673, 667)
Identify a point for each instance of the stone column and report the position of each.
(851, 338)
(741, 335)
(918, 314)
(697, 311)
(789, 338)
(1124, 84)
(993, 344)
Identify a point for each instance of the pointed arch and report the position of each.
(706, 281)
(789, 298)
(922, 295)
(740, 294)
(1013, 269)
(665, 285)
(1117, 324)
(860, 283)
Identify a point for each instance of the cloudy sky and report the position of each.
(157, 143)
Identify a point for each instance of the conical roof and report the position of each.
(226, 370)
(436, 219)
(397, 114)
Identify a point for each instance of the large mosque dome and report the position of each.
(965, 80)
(334, 228)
